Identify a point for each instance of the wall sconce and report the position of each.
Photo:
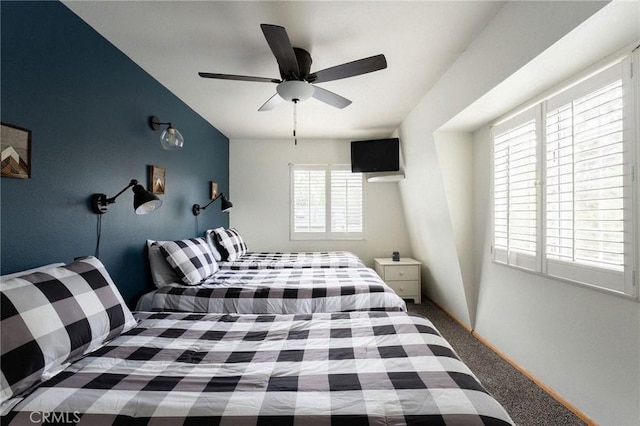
(170, 138)
(225, 206)
(143, 201)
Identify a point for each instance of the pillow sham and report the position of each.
(191, 259)
(55, 316)
(212, 240)
(30, 271)
(232, 242)
(162, 273)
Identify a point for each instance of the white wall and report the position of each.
(518, 33)
(259, 176)
(582, 343)
(455, 156)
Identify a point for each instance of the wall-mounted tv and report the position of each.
(376, 155)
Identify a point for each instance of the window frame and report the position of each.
(573, 272)
(328, 234)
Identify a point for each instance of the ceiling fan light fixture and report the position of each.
(295, 90)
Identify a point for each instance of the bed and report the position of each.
(229, 251)
(278, 291)
(294, 260)
(189, 279)
(109, 366)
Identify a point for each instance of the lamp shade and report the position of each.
(143, 201)
(225, 205)
(171, 139)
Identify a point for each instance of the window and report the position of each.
(563, 184)
(326, 202)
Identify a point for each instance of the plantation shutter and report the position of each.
(585, 184)
(309, 200)
(516, 192)
(326, 202)
(580, 227)
(346, 201)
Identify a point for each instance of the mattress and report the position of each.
(376, 368)
(278, 291)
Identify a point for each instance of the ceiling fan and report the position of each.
(297, 82)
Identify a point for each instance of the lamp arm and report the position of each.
(209, 203)
(113, 199)
(196, 209)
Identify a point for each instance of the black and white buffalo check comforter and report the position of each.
(279, 260)
(376, 368)
(279, 291)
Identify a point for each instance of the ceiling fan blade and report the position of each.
(273, 102)
(238, 77)
(330, 98)
(350, 69)
(282, 49)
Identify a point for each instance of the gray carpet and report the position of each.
(526, 403)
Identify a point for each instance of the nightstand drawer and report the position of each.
(405, 288)
(401, 273)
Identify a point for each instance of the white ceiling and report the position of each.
(174, 40)
(611, 32)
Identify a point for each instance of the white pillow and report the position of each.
(162, 273)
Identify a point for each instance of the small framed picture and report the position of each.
(15, 145)
(214, 190)
(157, 179)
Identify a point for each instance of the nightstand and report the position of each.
(402, 276)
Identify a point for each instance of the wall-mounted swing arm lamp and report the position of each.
(225, 205)
(170, 138)
(143, 201)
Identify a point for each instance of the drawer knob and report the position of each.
(401, 273)
(401, 288)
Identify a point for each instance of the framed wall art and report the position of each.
(213, 190)
(15, 145)
(157, 179)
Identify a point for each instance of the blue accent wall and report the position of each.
(87, 105)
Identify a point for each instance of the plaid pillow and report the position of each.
(53, 317)
(212, 240)
(191, 259)
(30, 271)
(231, 241)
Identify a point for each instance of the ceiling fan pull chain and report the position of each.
(295, 121)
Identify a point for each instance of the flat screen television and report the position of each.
(376, 155)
